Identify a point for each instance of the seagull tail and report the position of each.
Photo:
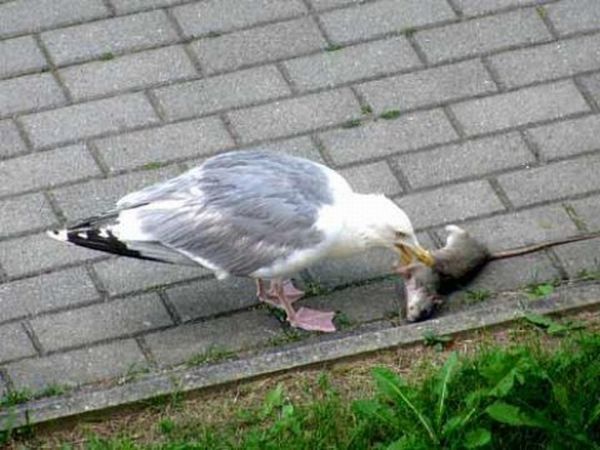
(96, 233)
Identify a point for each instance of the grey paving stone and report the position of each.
(127, 6)
(3, 386)
(77, 367)
(360, 304)
(124, 275)
(25, 213)
(133, 71)
(95, 196)
(372, 178)
(29, 93)
(553, 181)
(106, 37)
(588, 211)
(521, 228)
(545, 62)
(302, 147)
(240, 331)
(263, 44)
(592, 84)
(428, 87)
(15, 343)
(19, 56)
(387, 137)
(580, 256)
(26, 16)
(295, 115)
(94, 323)
(206, 298)
(11, 142)
(216, 16)
(476, 7)
(221, 92)
(548, 101)
(352, 63)
(514, 273)
(571, 16)
(158, 145)
(567, 138)
(44, 169)
(469, 159)
(450, 203)
(47, 292)
(89, 119)
(383, 16)
(491, 33)
(38, 252)
(325, 4)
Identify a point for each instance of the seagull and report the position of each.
(257, 214)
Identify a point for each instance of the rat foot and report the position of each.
(313, 320)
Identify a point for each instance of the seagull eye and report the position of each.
(400, 235)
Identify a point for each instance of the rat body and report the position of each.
(461, 257)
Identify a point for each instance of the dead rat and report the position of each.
(461, 258)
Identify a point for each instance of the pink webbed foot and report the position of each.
(313, 320)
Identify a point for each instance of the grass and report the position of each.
(352, 123)
(541, 11)
(502, 390)
(19, 396)
(333, 48)
(390, 115)
(366, 109)
(154, 165)
(212, 355)
(107, 56)
(408, 32)
(537, 291)
(477, 295)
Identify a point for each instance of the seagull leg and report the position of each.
(304, 318)
(266, 296)
(291, 292)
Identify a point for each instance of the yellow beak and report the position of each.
(407, 253)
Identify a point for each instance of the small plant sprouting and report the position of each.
(537, 291)
(342, 320)
(588, 275)
(541, 11)
(333, 48)
(476, 296)
(352, 123)
(432, 339)
(153, 165)
(213, 34)
(409, 31)
(366, 109)
(314, 289)
(107, 56)
(391, 114)
(552, 327)
(212, 355)
(287, 337)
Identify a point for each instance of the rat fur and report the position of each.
(461, 258)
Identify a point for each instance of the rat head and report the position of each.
(390, 227)
(420, 291)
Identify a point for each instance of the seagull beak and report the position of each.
(408, 252)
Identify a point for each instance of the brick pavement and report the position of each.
(480, 112)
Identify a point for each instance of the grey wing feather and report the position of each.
(240, 211)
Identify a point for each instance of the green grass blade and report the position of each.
(442, 386)
(388, 381)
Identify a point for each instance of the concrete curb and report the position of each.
(505, 308)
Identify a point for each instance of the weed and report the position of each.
(537, 291)
(314, 289)
(366, 109)
(107, 56)
(166, 426)
(588, 275)
(212, 355)
(432, 339)
(341, 320)
(333, 48)
(541, 11)
(476, 296)
(16, 397)
(152, 165)
(409, 31)
(352, 123)
(552, 327)
(391, 114)
(213, 34)
(288, 336)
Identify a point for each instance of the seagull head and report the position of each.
(391, 227)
